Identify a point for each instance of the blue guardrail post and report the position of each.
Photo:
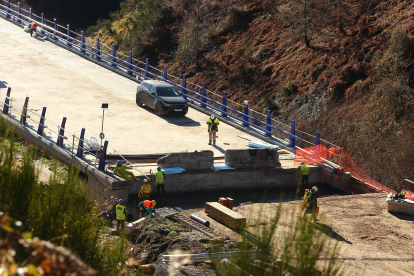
(6, 102)
(83, 42)
(203, 93)
(103, 157)
(69, 39)
(224, 108)
(146, 67)
(318, 138)
(24, 112)
(184, 90)
(55, 27)
(59, 141)
(8, 9)
(43, 24)
(292, 142)
(31, 13)
(130, 63)
(41, 128)
(79, 153)
(246, 113)
(98, 51)
(269, 122)
(19, 12)
(165, 73)
(113, 56)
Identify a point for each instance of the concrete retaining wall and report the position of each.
(344, 181)
(188, 160)
(191, 181)
(252, 158)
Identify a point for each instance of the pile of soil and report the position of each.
(164, 236)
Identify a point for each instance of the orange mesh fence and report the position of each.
(320, 153)
(409, 195)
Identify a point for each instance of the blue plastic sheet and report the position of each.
(173, 170)
(260, 145)
(222, 168)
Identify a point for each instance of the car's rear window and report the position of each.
(167, 92)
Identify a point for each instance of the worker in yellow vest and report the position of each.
(305, 172)
(120, 169)
(160, 181)
(212, 123)
(120, 215)
(312, 202)
(146, 190)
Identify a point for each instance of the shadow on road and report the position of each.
(3, 84)
(403, 217)
(329, 232)
(219, 149)
(175, 119)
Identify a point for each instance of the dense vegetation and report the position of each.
(343, 67)
(63, 212)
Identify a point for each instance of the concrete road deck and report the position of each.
(71, 86)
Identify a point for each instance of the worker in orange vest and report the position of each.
(32, 28)
(147, 205)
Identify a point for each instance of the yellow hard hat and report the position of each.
(154, 202)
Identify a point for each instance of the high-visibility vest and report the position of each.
(209, 121)
(120, 212)
(304, 169)
(159, 178)
(146, 189)
(148, 204)
(121, 170)
(307, 198)
(33, 26)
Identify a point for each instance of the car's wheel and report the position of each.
(158, 110)
(138, 100)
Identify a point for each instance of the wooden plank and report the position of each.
(409, 185)
(225, 215)
(400, 207)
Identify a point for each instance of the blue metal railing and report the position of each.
(131, 69)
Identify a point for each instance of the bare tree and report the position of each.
(306, 17)
(196, 31)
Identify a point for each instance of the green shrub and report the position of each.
(62, 212)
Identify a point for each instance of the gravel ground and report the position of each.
(372, 240)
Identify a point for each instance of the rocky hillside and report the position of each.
(343, 67)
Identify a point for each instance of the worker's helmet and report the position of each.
(153, 202)
(213, 116)
(159, 168)
(119, 163)
(314, 189)
(145, 180)
(302, 163)
(120, 201)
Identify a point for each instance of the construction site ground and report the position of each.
(372, 240)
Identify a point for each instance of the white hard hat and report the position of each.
(213, 116)
(145, 180)
(314, 188)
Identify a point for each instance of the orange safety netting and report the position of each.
(320, 153)
(409, 195)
